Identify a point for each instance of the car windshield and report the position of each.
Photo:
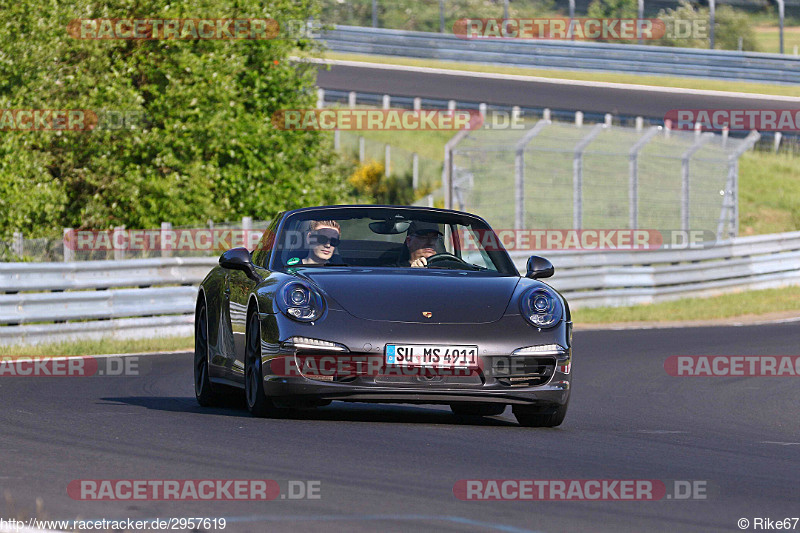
(390, 238)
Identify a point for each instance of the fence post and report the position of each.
(337, 140)
(776, 142)
(247, 227)
(571, 19)
(417, 103)
(577, 175)
(362, 149)
(546, 113)
(712, 8)
(608, 119)
(639, 123)
(320, 98)
(730, 205)
(387, 160)
(519, 173)
(166, 229)
(685, 177)
(579, 118)
(374, 13)
(640, 13)
(119, 251)
(387, 101)
(633, 176)
(414, 171)
(781, 16)
(441, 16)
(351, 99)
(17, 244)
(69, 251)
(447, 170)
(482, 109)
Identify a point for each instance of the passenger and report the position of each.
(421, 243)
(321, 239)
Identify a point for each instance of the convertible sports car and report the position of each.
(383, 304)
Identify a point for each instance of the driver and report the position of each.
(421, 242)
(322, 239)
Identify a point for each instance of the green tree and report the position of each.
(730, 26)
(208, 148)
(619, 9)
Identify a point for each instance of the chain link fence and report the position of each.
(553, 175)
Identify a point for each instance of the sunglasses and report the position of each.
(322, 240)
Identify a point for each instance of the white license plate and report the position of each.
(433, 355)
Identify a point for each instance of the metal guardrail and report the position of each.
(617, 278)
(163, 303)
(135, 298)
(714, 64)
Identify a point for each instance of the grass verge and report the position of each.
(768, 39)
(769, 193)
(745, 304)
(97, 347)
(655, 81)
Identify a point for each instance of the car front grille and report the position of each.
(523, 371)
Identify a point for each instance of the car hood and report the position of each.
(403, 295)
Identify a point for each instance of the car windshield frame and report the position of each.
(499, 257)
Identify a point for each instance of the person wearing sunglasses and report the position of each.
(422, 241)
(322, 239)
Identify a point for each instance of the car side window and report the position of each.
(263, 249)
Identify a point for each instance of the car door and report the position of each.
(240, 288)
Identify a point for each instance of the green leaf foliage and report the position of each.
(199, 143)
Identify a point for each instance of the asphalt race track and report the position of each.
(652, 103)
(393, 467)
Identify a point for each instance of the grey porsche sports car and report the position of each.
(383, 304)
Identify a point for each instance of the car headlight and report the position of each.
(541, 307)
(300, 302)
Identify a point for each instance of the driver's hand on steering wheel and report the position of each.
(421, 262)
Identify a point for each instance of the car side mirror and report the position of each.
(239, 259)
(539, 267)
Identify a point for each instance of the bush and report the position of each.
(371, 184)
(730, 25)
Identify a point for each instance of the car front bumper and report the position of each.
(498, 378)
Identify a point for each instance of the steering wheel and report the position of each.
(444, 256)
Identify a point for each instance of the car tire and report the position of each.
(204, 391)
(477, 409)
(258, 403)
(536, 417)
